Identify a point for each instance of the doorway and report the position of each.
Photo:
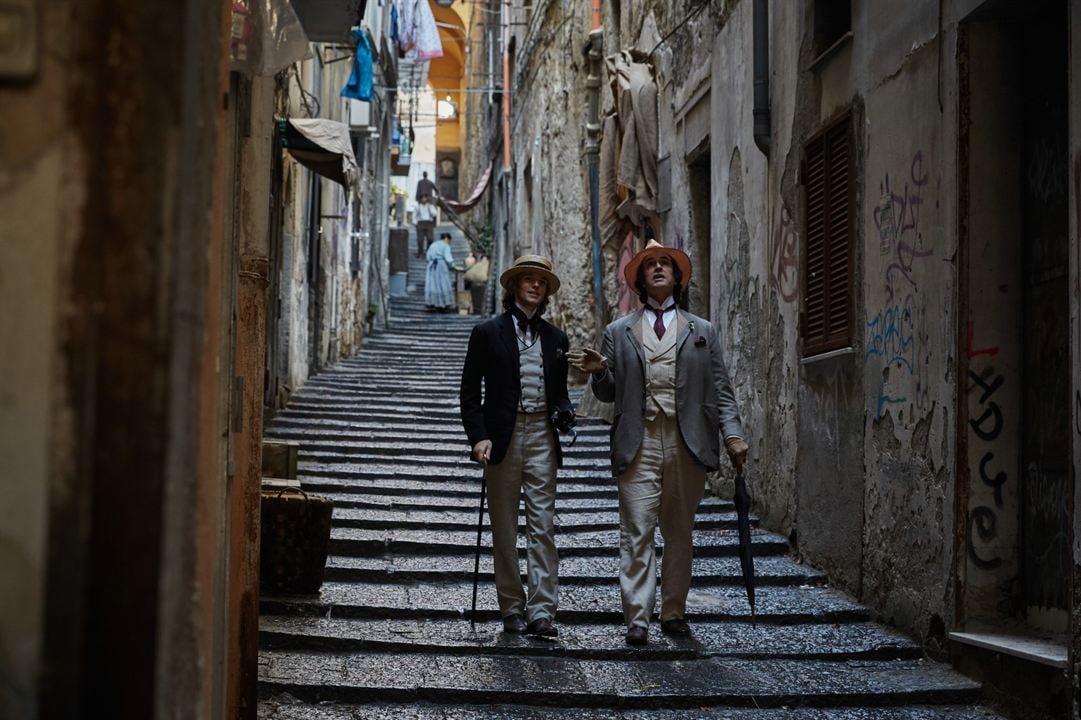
(1014, 481)
(699, 182)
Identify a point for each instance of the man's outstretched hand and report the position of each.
(482, 451)
(588, 361)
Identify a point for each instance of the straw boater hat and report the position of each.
(531, 263)
(652, 249)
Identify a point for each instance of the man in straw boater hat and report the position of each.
(522, 361)
(664, 369)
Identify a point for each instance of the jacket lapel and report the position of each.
(684, 324)
(510, 338)
(548, 350)
(634, 334)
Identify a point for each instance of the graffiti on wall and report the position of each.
(897, 220)
(893, 334)
(986, 427)
(784, 273)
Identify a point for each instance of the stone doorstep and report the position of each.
(1043, 651)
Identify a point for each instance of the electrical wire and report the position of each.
(690, 16)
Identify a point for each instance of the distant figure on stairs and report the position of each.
(438, 285)
(424, 215)
(521, 361)
(425, 187)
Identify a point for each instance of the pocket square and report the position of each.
(700, 341)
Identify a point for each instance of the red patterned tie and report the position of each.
(658, 324)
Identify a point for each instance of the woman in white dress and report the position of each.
(438, 285)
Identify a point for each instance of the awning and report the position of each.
(322, 146)
(474, 197)
(329, 21)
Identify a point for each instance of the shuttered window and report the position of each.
(827, 233)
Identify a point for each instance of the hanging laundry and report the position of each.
(406, 25)
(425, 35)
(418, 35)
(360, 83)
(392, 31)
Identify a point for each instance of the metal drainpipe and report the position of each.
(591, 150)
(761, 75)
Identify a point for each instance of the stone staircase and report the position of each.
(388, 636)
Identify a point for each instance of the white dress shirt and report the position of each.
(668, 317)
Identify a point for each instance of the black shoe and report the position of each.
(513, 624)
(677, 627)
(542, 627)
(637, 635)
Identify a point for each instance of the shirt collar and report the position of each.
(668, 302)
(529, 315)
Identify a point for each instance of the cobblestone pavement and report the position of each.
(388, 636)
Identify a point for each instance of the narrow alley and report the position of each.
(389, 636)
(828, 251)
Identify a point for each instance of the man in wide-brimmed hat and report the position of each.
(522, 362)
(664, 369)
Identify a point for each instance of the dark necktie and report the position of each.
(658, 324)
(525, 323)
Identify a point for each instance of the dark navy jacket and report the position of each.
(492, 358)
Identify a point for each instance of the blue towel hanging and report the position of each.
(360, 83)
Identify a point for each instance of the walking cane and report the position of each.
(476, 564)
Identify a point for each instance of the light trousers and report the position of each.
(662, 485)
(528, 471)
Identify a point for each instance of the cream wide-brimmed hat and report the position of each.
(531, 263)
(652, 249)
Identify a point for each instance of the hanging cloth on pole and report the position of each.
(360, 82)
(418, 31)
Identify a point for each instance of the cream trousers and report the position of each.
(529, 471)
(663, 484)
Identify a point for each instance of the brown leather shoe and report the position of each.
(637, 635)
(513, 624)
(542, 627)
(677, 627)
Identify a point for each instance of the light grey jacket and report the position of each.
(705, 404)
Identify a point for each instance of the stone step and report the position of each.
(469, 487)
(411, 471)
(587, 641)
(707, 571)
(430, 449)
(455, 462)
(578, 603)
(467, 520)
(467, 502)
(282, 706)
(590, 543)
(648, 684)
(285, 427)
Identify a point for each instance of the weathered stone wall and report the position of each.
(549, 211)
(325, 320)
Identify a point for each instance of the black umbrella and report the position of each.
(742, 500)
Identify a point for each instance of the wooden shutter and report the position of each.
(827, 269)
